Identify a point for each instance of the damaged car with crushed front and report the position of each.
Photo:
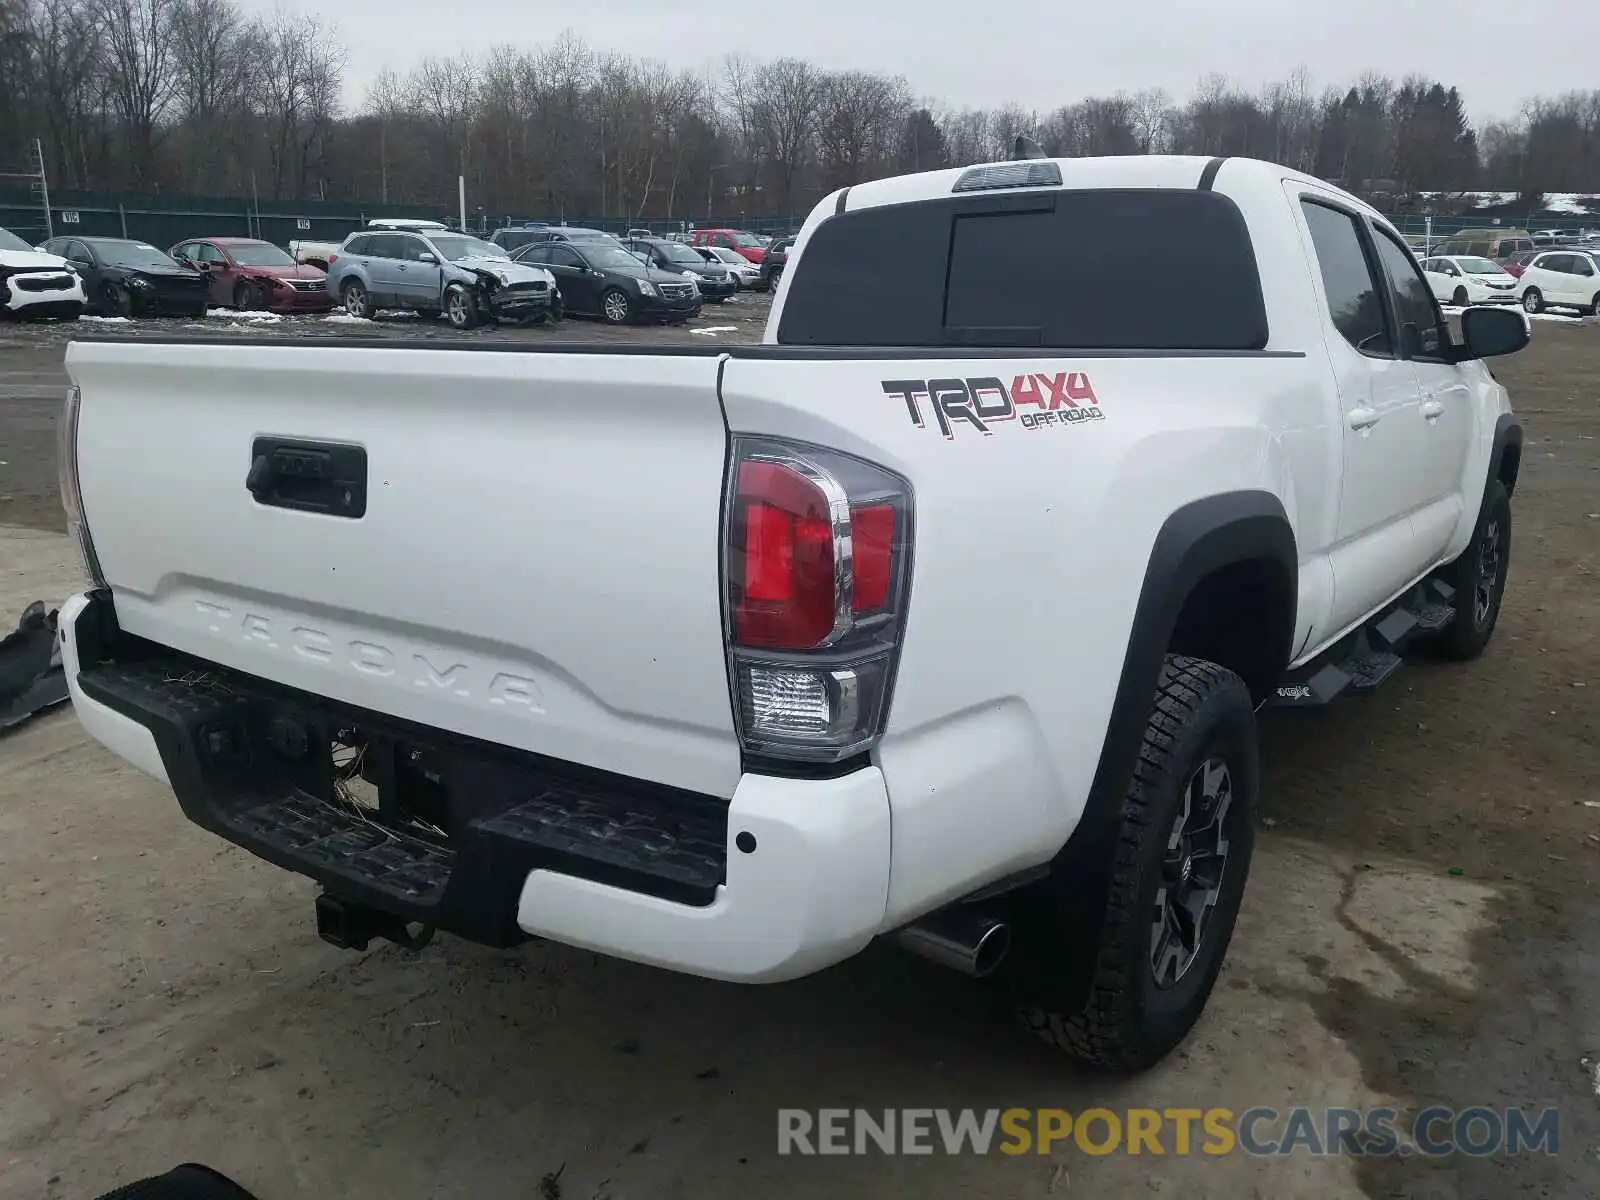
(465, 278)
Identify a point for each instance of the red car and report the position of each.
(251, 274)
(1518, 262)
(747, 244)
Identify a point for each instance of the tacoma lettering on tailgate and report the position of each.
(426, 669)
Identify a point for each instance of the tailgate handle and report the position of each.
(318, 477)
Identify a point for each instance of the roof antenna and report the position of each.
(1026, 147)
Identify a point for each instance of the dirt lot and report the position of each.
(1418, 931)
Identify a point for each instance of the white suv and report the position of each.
(36, 284)
(1561, 279)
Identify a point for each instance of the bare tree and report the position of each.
(296, 97)
(789, 98)
(142, 70)
(210, 55)
(860, 116)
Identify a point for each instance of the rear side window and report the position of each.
(1100, 268)
(1354, 300)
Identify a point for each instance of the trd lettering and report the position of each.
(1061, 399)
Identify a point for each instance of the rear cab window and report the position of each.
(1093, 268)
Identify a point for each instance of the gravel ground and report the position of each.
(1417, 931)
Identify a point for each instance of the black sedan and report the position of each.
(715, 281)
(123, 278)
(603, 280)
(777, 258)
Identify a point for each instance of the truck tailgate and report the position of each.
(536, 565)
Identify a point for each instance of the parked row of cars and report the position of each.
(533, 274)
(123, 277)
(1535, 279)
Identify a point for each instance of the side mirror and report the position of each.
(1488, 332)
(428, 258)
(199, 264)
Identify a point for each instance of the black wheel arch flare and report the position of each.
(1194, 542)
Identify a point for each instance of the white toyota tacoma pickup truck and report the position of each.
(943, 614)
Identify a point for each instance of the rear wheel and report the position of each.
(1594, 305)
(460, 307)
(615, 306)
(1181, 855)
(1460, 297)
(357, 303)
(1532, 301)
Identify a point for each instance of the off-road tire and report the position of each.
(357, 300)
(1201, 712)
(1486, 559)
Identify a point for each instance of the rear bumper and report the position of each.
(788, 877)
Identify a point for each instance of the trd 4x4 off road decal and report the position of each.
(1039, 400)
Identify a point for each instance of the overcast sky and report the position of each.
(1041, 53)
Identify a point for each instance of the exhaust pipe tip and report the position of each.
(967, 940)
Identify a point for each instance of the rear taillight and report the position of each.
(71, 493)
(817, 575)
(332, 258)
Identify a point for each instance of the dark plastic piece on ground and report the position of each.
(191, 1181)
(31, 679)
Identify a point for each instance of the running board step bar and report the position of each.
(1368, 657)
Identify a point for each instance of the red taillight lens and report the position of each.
(332, 258)
(787, 596)
(872, 535)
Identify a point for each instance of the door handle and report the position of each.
(317, 477)
(1432, 410)
(1364, 418)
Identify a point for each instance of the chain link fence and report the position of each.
(164, 221)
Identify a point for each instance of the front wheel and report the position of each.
(1532, 301)
(460, 307)
(1179, 859)
(357, 302)
(116, 300)
(1479, 578)
(249, 296)
(615, 307)
(1459, 299)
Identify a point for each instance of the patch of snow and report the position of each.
(342, 318)
(105, 320)
(395, 314)
(1450, 310)
(246, 318)
(712, 330)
